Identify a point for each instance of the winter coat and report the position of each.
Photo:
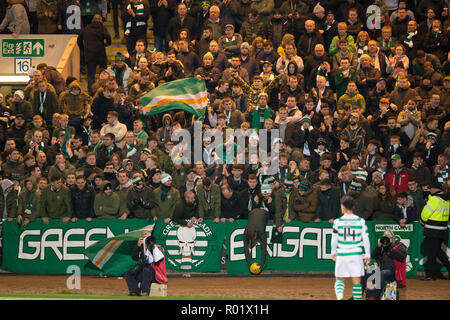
(47, 25)
(83, 202)
(363, 206)
(16, 19)
(161, 16)
(140, 202)
(328, 204)
(165, 199)
(184, 211)
(49, 106)
(411, 212)
(74, 105)
(10, 203)
(106, 206)
(55, 204)
(355, 99)
(93, 40)
(305, 205)
(210, 74)
(213, 209)
(231, 208)
(384, 207)
(28, 205)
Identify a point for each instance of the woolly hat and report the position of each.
(305, 118)
(20, 94)
(137, 181)
(396, 156)
(165, 177)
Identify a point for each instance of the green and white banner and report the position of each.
(105, 246)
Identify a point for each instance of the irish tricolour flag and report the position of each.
(187, 94)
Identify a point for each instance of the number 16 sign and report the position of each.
(22, 65)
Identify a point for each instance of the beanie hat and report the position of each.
(305, 118)
(20, 94)
(136, 181)
(208, 54)
(165, 177)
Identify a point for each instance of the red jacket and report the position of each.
(397, 180)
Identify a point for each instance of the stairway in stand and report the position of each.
(117, 45)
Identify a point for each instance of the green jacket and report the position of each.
(165, 202)
(341, 83)
(29, 205)
(355, 99)
(24, 107)
(123, 195)
(55, 204)
(10, 203)
(178, 176)
(306, 203)
(106, 207)
(212, 210)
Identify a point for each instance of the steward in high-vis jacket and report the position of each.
(434, 218)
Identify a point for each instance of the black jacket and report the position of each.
(231, 208)
(92, 40)
(83, 202)
(184, 211)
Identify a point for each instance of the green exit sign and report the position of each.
(22, 48)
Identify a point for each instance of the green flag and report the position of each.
(187, 94)
(113, 255)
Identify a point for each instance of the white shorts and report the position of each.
(349, 266)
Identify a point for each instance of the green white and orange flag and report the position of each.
(187, 94)
(113, 255)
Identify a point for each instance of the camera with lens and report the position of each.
(385, 242)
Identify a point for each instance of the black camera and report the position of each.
(385, 242)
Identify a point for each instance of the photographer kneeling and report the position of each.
(149, 257)
(387, 254)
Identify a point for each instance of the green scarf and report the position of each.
(165, 190)
(256, 124)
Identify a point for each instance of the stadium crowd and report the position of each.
(361, 111)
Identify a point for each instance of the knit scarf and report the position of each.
(256, 124)
(139, 12)
(409, 39)
(165, 190)
(360, 50)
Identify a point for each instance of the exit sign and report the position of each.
(22, 48)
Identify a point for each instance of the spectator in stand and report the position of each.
(92, 41)
(15, 21)
(135, 19)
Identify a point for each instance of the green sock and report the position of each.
(339, 286)
(357, 292)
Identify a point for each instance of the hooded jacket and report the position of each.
(74, 105)
(355, 99)
(106, 206)
(8, 201)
